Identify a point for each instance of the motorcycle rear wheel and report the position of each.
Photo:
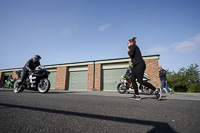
(11, 85)
(44, 85)
(147, 91)
(119, 88)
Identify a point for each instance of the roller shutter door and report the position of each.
(7, 74)
(111, 78)
(78, 80)
(52, 79)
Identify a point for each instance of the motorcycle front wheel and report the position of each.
(44, 85)
(17, 87)
(5, 85)
(119, 88)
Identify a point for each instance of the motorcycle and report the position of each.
(126, 86)
(9, 83)
(37, 80)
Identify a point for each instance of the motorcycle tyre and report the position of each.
(11, 85)
(119, 90)
(147, 91)
(15, 87)
(5, 85)
(47, 87)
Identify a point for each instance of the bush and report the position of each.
(194, 87)
(180, 89)
(185, 80)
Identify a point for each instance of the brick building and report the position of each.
(97, 75)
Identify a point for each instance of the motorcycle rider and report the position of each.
(9, 78)
(128, 72)
(29, 67)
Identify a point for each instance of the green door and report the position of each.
(52, 79)
(111, 78)
(78, 80)
(7, 73)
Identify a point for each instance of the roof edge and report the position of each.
(157, 56)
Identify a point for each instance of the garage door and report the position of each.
(111, 78)
(78, 80)
(52, 79)
(7, 73)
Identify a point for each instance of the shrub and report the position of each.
(180, 89)
(194, 87)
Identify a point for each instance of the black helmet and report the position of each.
(36, 57)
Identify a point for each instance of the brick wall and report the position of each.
(14, 75)
(153, 72)
(61, 78)
(90, 77)
(94, 86)
(98, 77)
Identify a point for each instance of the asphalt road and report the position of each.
(97, 112)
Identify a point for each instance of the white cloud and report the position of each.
(156, 50)
(104, 27)
(188, 45)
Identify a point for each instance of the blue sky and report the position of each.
(65, 31)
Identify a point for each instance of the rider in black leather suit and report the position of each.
(29, 67)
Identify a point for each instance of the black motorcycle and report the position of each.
(37, 80)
